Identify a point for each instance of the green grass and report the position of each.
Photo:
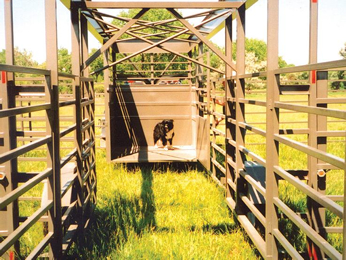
(160, 214)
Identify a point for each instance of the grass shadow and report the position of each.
(116, 219)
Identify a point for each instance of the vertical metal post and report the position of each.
(84, 42)
(315, 211)
(240, 107)
(272, 128)
(9, 126)
(208, 89)
(229, 113)
(76, 66)
(54, 190)
(152, 80)
(199, 79)
(106, 84)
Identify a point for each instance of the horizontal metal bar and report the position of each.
(253, 209)
(41, 246)
(253, 129)
(253, 102)
(68, 212)
(4, 157)
(253, 182)
(161, 5)
(326, 157)
(313, 110)
(231, 203)
(15, 235)
(218, 148)
(232, 184)
(313, 194)
(286, 244)
(65, 188)
(218, 182)
(231, 162)
(309, 231)
(67, 103)
(219, 166)
(253, 234)
(85, 79)
(32, 133)
(332, 133)
(316, 66)
(253, 75)
(67, 131)
(69, 237)
(15, 194)
(68, 157)
(294, 131)
(331, 100)
(339, 198)
(218, 131)
(66, 75)
(253, 156)
(87, 102)
(333, 229)
(23, 110)
(20, 69)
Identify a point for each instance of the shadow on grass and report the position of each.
(115, 219)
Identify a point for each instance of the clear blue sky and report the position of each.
(293, 37)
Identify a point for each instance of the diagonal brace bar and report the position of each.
(115, 37)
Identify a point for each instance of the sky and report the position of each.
(293, 28)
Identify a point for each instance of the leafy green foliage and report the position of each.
(64, 61)
(21, 58)
(95, 65)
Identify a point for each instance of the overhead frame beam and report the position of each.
(160, 5)
(202, 38)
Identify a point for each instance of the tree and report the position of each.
(21, 58)
(342, 52)
(2, 57)
(340, 74)
(95, 65)
(64, 61)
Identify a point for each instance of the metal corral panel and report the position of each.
(134, 112)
